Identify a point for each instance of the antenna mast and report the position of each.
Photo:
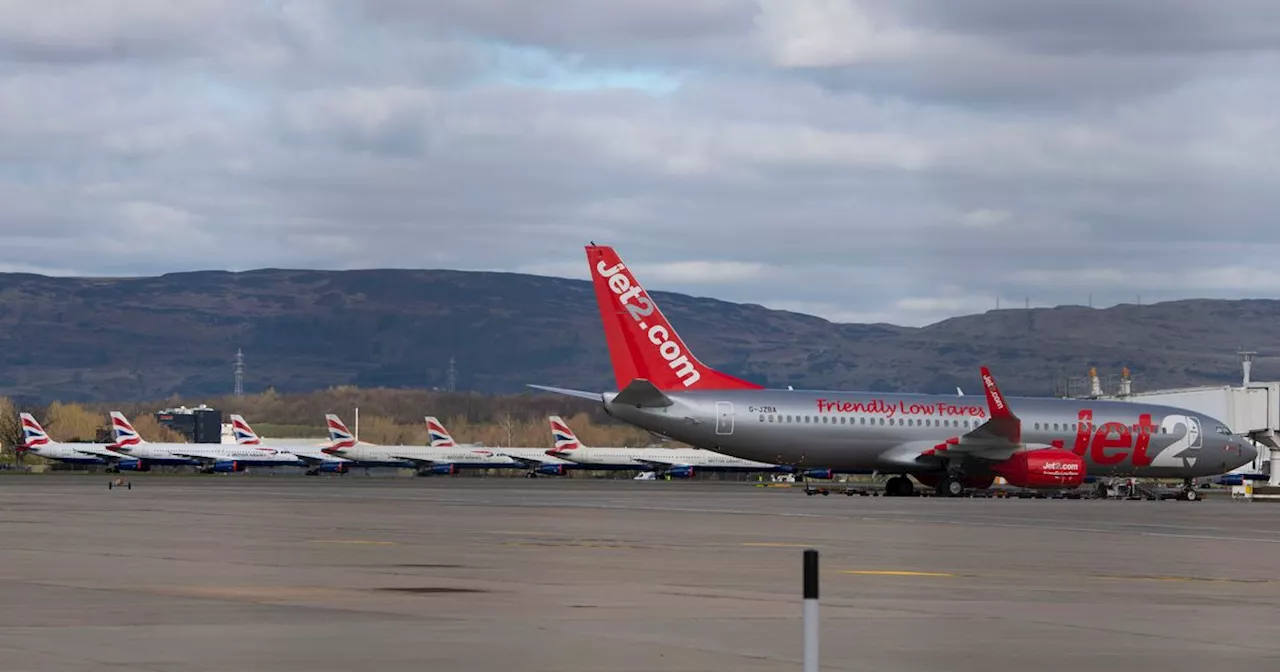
(238, 369)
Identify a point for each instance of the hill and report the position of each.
(125, 339)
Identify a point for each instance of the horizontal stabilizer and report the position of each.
(594, 396)
(642, 394)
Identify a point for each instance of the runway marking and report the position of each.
(366, 542)
(776, 544)
(1158, 577)
(890, 572)
(611, 545)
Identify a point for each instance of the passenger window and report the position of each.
(882, 421)
(762, 417)
(771, 418)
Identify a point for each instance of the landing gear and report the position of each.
(1188, 493)
(949, 487)
(899, 486)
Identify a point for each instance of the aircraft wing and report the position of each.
(996, 439)
(533, 461)
(316, 456)
(200, 456)
(652, 462)
(99, 451)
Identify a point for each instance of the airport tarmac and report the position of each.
(316, 574)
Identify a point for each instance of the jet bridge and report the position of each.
(1252, 409)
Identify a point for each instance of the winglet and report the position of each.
(642, 394)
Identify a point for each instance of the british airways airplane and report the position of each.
(210, 457)
(947, 442)
(674, 462)
(37, 442)
(317, 461)
(426, 460)
(536, 460)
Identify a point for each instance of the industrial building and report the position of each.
(200, 424)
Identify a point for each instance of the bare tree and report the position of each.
(10, 426)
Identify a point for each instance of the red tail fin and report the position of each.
(642, 343)
(995, 400)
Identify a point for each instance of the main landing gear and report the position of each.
(899, 486)
(949, 487)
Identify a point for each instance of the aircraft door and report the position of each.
(724, 417)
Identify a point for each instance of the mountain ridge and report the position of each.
(148, 337)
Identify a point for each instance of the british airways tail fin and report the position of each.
(440, 437)
(340, 438)
(123, 431)
(244, 434)
(564, 438)
(33, 435)
(642, 343)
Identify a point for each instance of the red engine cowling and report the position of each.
(1044, 468)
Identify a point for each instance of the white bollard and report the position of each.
(810, 611)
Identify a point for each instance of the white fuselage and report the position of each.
(85, 453)
(645, 457)
(414, 455)
(212, 452)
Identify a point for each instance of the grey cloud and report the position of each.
(1136, 26)
(335, 136)
(584, 26)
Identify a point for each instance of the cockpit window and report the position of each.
(1222, 430)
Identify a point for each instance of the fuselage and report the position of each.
(411, 456)
(68, 453)
(868, 431)
(195, 453)
(646, 458)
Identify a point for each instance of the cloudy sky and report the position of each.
(864, 160)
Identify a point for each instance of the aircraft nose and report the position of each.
(1248, 452)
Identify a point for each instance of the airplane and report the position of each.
(210, 457)
(36, 441)
(948, 442)
(536, 460)
(426, 460)
(317, 461)
(675, 462)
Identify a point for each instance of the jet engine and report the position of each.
(332, 468)
(226, 466)
(551, 470)
(133, 465)
(1044, 468)
(443, 470)
(681, 471)
(822, 474)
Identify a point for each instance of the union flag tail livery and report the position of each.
(33, 435)
(440, 437)
(340, 438)
(642, 343)
(123, 431)
(244, 434)
(565, 439)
